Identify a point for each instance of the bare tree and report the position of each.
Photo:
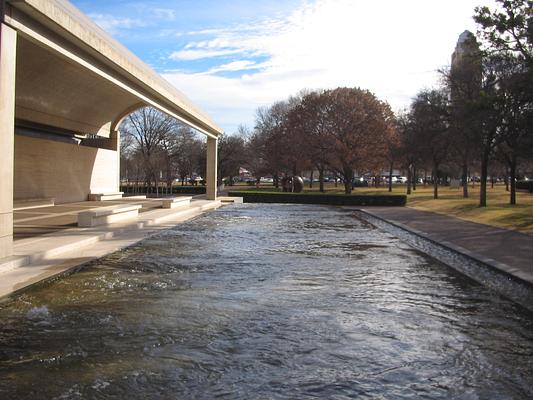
(231, 156)
(146, 128)
(309, 121)
(188, 153)
(464, 82)
(430, 119)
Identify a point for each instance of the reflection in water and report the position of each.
(266, 301)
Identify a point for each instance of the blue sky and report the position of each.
(233, 56)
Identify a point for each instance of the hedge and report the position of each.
(318, 198)
(525, 185)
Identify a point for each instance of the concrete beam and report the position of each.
(8, 48)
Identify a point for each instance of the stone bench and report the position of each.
(174, 202)
(105, 196)
(234, 200)
(25, 204)
(108, 215)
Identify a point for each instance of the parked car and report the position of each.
(359, 182)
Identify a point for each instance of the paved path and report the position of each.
(506, 250)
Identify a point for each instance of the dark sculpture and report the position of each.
(294, 184)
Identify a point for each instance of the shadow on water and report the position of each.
(266, 301)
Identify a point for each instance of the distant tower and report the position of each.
(467, 45)
(466, 68)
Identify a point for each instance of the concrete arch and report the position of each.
(120, 118)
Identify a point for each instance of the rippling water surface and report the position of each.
(266, 302)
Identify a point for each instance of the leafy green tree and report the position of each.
(509, 28)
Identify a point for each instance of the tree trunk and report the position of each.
(512, 173)
(414, 177)
(276, 180)
(483, 183)
(464, 180)
(321, 179)
(435, 182)
(409, 178)
(348, 177)
(347, 187)
(390, 176)
(506, 180)
(311, 179)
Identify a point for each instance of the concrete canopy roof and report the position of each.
(73, 75)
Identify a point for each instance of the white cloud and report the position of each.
(190, 55)
(240, 65)
(113, 24)
(164, 14)
(392, 48)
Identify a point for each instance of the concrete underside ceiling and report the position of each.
(73, 76)
(54, 91)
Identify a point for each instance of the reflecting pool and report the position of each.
(266, 302)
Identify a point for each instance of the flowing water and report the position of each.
(266, 302)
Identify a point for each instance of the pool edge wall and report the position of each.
(321, 199)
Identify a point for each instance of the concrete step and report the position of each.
(53, 245)
(105, 196)
(25, 204)
(195, 207)
(8, 264)
(108, 215)
(175, 202)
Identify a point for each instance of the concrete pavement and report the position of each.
(41, 253)
(503, 249)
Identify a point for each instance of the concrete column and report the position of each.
(211, 170)
(115, 137)
(8, 47)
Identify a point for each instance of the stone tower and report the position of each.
(466, 44)
(466, 66)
